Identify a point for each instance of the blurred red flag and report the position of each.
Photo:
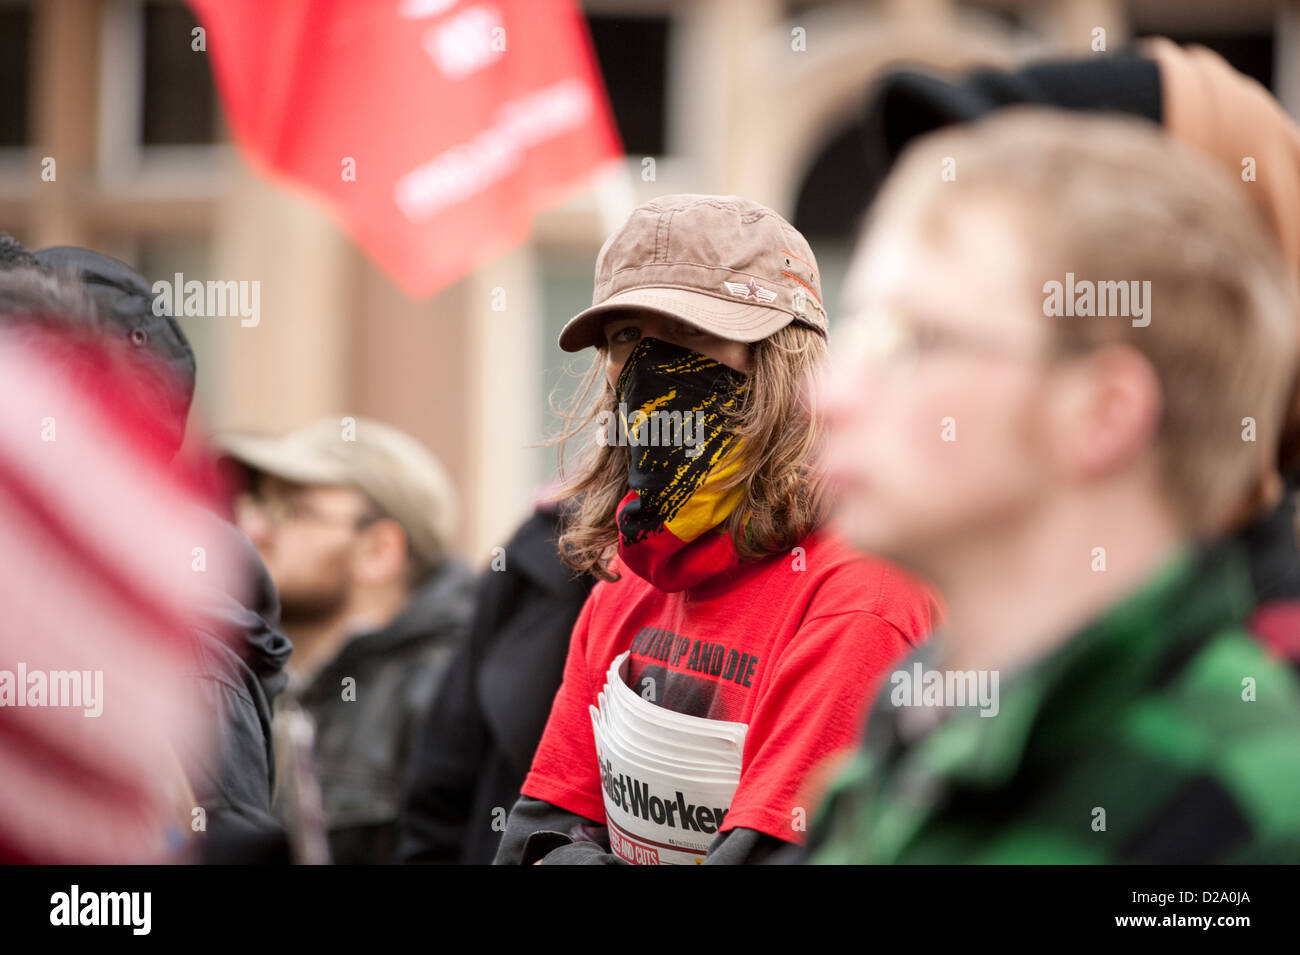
(434, 129)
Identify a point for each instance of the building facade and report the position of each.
(112, 138)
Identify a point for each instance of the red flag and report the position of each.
(434, 129)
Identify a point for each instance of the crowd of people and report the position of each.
(1046, 460)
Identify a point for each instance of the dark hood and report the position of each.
(534, 552)
(248, 622)
(125, 299)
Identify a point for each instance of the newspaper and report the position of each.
(668, 778)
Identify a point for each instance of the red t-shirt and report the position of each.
(790, 645)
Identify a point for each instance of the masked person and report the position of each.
(730, 642)
(1104, 323)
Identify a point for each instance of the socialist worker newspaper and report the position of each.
(668, 778)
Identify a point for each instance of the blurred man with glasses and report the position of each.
(1070, 482)
(352, 518)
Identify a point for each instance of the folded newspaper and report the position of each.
(668, 778)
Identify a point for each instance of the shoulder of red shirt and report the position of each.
(844, 580)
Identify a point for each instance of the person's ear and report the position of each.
(380, 555)
(1103, 412)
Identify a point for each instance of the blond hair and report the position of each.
(784, 497)
(1112, 198)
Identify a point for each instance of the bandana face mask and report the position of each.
(673, 405)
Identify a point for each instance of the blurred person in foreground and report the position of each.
(1074, 522)
(238, 652)
(716, 575)
(477, 742)
(111, 565)
(353, 519)
(1198, 98)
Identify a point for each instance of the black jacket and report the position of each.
(364, 743)
(1272, 548)
(478, 741)
(238, 658)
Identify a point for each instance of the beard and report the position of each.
(315, 594)
(313, 587)
(309, 608)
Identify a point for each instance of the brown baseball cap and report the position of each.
(392, 468)
(725, 264)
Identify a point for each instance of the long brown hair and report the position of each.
(779, 432)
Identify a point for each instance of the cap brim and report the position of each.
(736, 321)
(283, 458)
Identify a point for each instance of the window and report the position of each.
(565, 287)
(15, 68)
(832, 200)
(633, 57)
(159, 123)
(180, 103)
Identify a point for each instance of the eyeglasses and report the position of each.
(891, 339)
(277, 509)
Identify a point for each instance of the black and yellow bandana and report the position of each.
(673, 405)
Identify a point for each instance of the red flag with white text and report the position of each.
(433, 129)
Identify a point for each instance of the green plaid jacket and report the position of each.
(1133, 742)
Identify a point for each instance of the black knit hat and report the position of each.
(125, 300)
(909, 102)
